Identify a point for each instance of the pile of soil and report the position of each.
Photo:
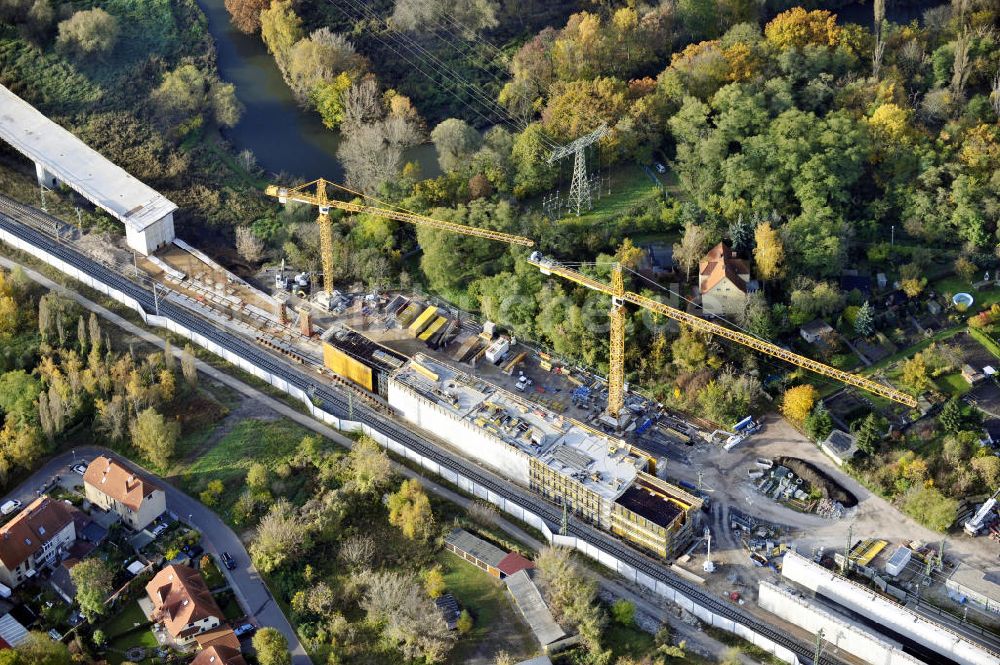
(819, 480)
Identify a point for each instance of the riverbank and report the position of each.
(283, 137)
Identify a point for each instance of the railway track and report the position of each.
(25, 222)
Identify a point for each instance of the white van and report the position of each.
(10, 506)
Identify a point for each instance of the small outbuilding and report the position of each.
(840, 446)
(816, 331)
(475, 550)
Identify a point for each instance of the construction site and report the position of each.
(599, 452)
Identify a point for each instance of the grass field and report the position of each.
(630, 187)
(952, 384)
(270, 442)
(498, 625)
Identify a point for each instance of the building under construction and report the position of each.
(599, 478)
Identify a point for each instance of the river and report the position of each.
(282, 136)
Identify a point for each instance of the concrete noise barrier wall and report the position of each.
(503, 503)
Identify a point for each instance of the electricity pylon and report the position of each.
(580, 189)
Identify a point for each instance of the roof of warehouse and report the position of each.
(78, 165)
(599, 462)
(486, 552)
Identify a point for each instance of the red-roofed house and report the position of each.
(116, 488)
(39, 536)
(183, 603)
(723, 281)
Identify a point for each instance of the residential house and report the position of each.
(816, 331)
(182, 603)
(723, 282)
(220, 655)
(37, 537)
(218, 647)
(117, 488)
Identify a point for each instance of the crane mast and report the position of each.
(619, 296)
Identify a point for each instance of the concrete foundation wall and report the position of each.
(838, 630)
(513, 508)
(473, 441)
(864, 601)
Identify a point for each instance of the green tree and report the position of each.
(818, 424)
(281, 537)
(37, 649)
(280, 28)
(210, 495)
(91, 32)
(368, 466)
(328, 99)
(690, 350)
(914, 374)
(623, 612)
(92, 578)
(410, 510)
(930, 507)
(188, 93)
(864, 322)
(870, 434)
(465, 623)
(434, 583)
(455, 142)
(154, 436)
(741, 233)
(321, 58)
(257, 477)
(271, 647)
(952, 417)
(18, 392)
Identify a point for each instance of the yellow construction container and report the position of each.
(423, 320)
(433, 328)
(346, 366)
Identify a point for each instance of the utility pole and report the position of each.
(564, 527)
(41, 193)
(818, 651)
(580, 189)
(847, 550)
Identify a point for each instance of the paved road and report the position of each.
(253, 594)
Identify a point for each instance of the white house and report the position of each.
(723, 282)
(117, 488)
(183, 603)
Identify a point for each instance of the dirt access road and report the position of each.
(726, 473)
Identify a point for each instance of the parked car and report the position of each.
(660, 168)
(79, 468)
(158, 529)
(10, 507)
(244, 629)
(228, 561)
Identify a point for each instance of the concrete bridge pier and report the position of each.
(45, 177)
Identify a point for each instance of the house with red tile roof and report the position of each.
(183, 603)
(723, 282)
(116, 488)
(38, 536)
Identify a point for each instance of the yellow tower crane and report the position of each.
(315, 193)
(616, 368)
